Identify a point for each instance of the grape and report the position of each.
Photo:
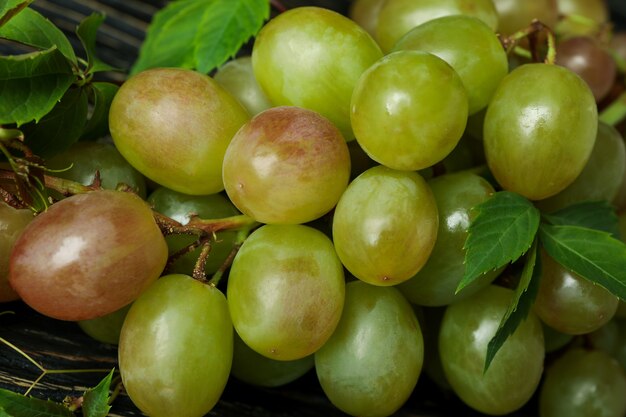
(430, 323)
(555, 340)
(372, 362)
(311, 57)
(435, 284)
(180, 207)
(359, 160)
(237, 77)
(606, 338)
(588, 15)
(601, 177)
(365, 13)
(569, 303)
(582, 384)
(256, 369)
(397, 17)
(409, 110)
(173, 125)
(458, 40)
(176, 348)
(80, 259)
(617, 45)
(385, 225)
(287, 165)
(286, 291)
(85, 158)
(106, 329)
(514, 15)
(12, 223)
(514, 373)
(539, 130)
(587, 58)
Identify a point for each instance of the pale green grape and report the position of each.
(409, 110)
(514, 374)
(385, 225)
(286, 291)
(370, 365)
(176, 348)
(12, 222)
(365, 13)
(514, 15)
(237, 77)
(107, 328)
(555, 340)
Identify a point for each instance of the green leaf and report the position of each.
(598, 215)
(592, 254)
(10, 8)
(31, 28)
(502, 231)
(200, 34)
(32, 84)
(96, 400)
(522, 302)
(87, 31)
(61, 127)
(16, 405)
(102, 96)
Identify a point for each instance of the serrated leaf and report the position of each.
(520, 306)
(60, 128)
(592, 254)
(10, 8)
(16, 405)
(501, 232)
(200, 34)
(31, 28)
(87, 31)
(598, 215)
(32, 84)
(98, 124)
(96, 400)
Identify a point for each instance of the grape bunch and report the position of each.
(314, 205)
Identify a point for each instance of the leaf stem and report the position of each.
(614, 113)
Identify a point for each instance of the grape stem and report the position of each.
(614, 113)
(531, 33)
(242, 235)
(278, 6)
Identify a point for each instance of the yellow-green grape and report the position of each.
(371, 364)
(514, 15)
(365, 13)
(106, 329)
(12, 222)
(237, 77)
(385, 225)
(581, 17)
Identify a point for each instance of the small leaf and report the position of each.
(96, 400)
(10, 8)
(61, 127)
(32, 84)
(598, 215)
(522, 302)
(200, 34)
(16, 405)
(98, 124)
(87, 31)
(592, 254)
(31, 28)
(502, 231)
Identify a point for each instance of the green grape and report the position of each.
(621, 310)
(365, 13)
(619, 351)
(106, 329)
(385, 225)
(88, 255)
(458, 40)
(539, 130)
(398, 17)
(312, 57)
(173, 125)
(583, 383)
(581, 17)
(514, 15)
(554, 340)
(430, 323)
(237, 77)
(286, 291)
(287, 165)
(85, 158)
(176, 348)
(180, 207)
(256, 369)
(606, 338)
(371, 364)
(601, 177)
(12, 223)
(569, 303)
(515, 371)
(436, 283)
(409, 110)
